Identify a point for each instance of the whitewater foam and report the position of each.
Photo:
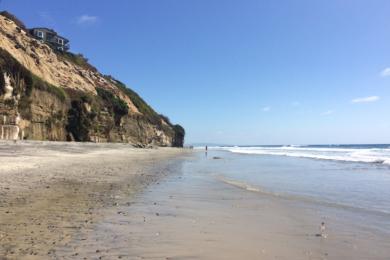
(368, 155)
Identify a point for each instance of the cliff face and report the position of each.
(49, 95)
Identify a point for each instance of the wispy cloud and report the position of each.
(365, 99)
(385, 72)
(87, 19)
(327, 113)
(266, 109)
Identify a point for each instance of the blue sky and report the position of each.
(241, 72)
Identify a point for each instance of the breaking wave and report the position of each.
(337, 153)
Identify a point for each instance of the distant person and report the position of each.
(322, 230)
(206, 148)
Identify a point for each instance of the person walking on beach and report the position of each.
(322, 230)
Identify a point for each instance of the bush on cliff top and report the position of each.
(166, 119)
(77, 59)
(139, 103)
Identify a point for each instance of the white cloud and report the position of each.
(385, 72)
(326, 113)
(87, 19)
(266, 109)
(365, 99)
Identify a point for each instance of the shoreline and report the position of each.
(196, 215)
(116, 202)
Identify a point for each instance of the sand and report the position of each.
(51, 192)
(192, 214)
(111, 201)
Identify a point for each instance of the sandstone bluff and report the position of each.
(46, 94)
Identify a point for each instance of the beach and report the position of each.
(111, 201)
(194, 130)
(52, 191)
(200, 214)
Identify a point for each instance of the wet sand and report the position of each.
(115, 202)
(194, 215)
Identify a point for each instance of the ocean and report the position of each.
(227, 204)
(369, 153)
(353, 180)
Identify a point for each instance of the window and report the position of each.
(60, 41)
(40, 34)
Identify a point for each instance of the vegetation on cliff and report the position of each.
(11, 66)
(77, 59)
(114, 104)
(79, 121)
(178, 140)
(69, 105)
(151, 115)
(24, 82)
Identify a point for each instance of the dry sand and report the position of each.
(51, 192)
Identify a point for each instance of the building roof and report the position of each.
(51, 31)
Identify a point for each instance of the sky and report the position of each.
(240, 71)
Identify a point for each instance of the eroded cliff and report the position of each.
(50, 95)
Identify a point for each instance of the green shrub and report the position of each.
(166, 119)
(148, 112)
(178, 140)
(20, 74)
(37, 83)
(9, 102)
(86, 98)
(24, 83)
(2, 82)
(117, 105)
(77, 59)
(25, 107)
(79, 121)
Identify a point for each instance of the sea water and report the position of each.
(354, 179)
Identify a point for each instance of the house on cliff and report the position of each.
(50, 37)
